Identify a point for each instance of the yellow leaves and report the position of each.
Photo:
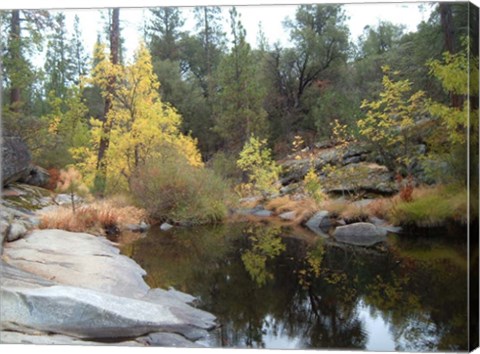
(255, 159)
(53, 125)
(390, 120)
(142, 126)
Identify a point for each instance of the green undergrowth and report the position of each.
(432, 207)
(177, 192)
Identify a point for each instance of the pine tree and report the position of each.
(240, 100)
(58, 66)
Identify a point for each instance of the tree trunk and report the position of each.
(101, 174)
(446, 19)
(15, 50)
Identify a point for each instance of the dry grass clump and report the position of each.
(346, 210)
(97, 218)
(304, 208)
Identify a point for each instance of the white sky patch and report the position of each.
(270, 16)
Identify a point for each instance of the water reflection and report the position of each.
(273, 288)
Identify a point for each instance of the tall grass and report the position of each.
(96, 218)
(431, 206)
(304, 208)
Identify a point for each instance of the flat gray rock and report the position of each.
(263, 213)
(167, 340)
(289, 215)
(9, 337)
(360, 234)
(165, 226)
(85, 313)
(78, 259)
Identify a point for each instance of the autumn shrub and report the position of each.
(71, 182)
(256, 161)
(173, 190)
(312, 186)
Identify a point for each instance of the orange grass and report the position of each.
(92, 218)
(304, 208)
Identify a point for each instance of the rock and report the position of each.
(62, 199)
(382, 224)
(360, 234)
(15, 159)
(360, 177)
(353, 159)
(79, 285)
(89, 314)
(78, 259)
(263, 213)
(319, 222)
(9, 337)
(167, 340)
(363, 203)
(289, 215)
(17, 230)
(37, 176)
(142, 227)
(165, 226)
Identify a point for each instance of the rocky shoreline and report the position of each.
(61, 287)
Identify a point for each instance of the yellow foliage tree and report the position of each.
(455, 72)
(143, 127)
(389, 123)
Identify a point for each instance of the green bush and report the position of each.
(433, 208)
(172, 190)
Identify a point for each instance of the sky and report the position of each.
(410, 14)
(271, 18)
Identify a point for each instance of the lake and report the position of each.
(285, 288)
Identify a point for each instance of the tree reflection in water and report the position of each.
(272, 288)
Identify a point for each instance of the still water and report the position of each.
(272, 287)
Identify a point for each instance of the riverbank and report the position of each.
(61, 287)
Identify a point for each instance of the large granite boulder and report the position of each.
(78, 285)
(85, 313)
(360, 234)
(15, 159)
(360, 177)
(37, 176)
(78, 259)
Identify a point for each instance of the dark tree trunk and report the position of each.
(446, 19)
(15, 93)
(101, 174)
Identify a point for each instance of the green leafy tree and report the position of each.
(239, 112)
(320, 39)
(448, 140)
(25, 34)
(64, 129)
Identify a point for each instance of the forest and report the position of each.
(199, 119)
